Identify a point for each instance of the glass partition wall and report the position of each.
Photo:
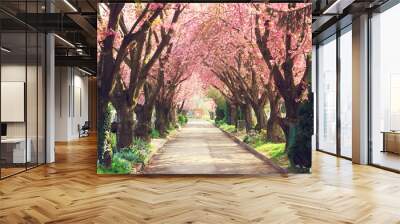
(22, 95)
(327, 95)
(334, 94)
(385, 89)
(345, 91)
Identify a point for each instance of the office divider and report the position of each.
(22, 77)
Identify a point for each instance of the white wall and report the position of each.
(33, 127)
(14, 73)
(71, 102)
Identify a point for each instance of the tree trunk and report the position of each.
(172, 116)
(143, 125)
(261, 117)
(228, 113)
(274, 130)
(247, 116)
(125, 126)
(162, 123)
(234, 115)
(102, 106)
(291, 117)
(274, 133)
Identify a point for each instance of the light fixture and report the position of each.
(5, 50)
(65, 41)
(337, 7)
(79, 51)
(70, 5)
(84, 71)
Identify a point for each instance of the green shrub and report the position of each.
(138, 152)
(142, 148)
(154, 133)
(228, 128)
(129, 155)
(255, 140)
(218, 123)
(182, 119)
(118, 166)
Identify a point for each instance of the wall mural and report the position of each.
(217, 88)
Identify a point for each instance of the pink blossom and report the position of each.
(155, 6)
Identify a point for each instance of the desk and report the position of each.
(391, 141)
(13, 150)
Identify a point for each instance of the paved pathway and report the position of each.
(201, 148)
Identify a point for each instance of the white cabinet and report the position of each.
(19, 155)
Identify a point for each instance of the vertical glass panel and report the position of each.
(23, 87)
(32, 86)
(13, 87)
(346, 93)
(314, 90)
(385, 84)
(41, 99)
(32, 98)
(327, 95)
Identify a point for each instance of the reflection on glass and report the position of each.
(41, 99)
(13, 83)
(327, 95)
(394, 102)
(385, 84)
(346, 93)
(31, 97)
(22, 89)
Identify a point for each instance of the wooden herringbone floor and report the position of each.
(69, 191)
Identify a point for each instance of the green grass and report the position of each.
(228, 128)
(219, 122)
(274, 151)
(152, 150)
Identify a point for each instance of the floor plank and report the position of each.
(69, 191)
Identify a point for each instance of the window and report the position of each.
(346, 92)
(327, 95)
(385, 89)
